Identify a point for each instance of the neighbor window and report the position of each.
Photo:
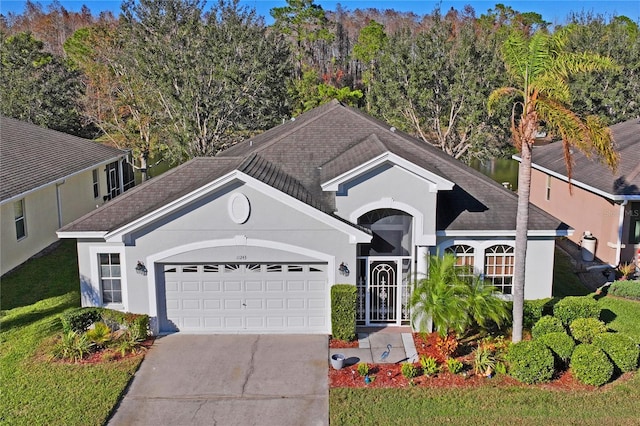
(464, 258)
(21, 224)
(498, 267)
(96, 184)
(110, 277)
(548, 189)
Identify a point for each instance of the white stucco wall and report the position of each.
(205, 232)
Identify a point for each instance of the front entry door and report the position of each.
(383, 290)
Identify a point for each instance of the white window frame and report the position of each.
(468, 259)
(22, 218)
(501, 276)
(547, 193)
(95, 253)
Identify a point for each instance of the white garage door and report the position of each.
(254, 297)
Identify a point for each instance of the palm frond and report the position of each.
(548, 85)
(539, 55)
(498, 94)
(514, 53)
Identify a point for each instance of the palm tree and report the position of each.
(541, 67)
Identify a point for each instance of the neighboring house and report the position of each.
(599, 202)
(47, 180)
(252, 240)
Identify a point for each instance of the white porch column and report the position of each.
(422, 268)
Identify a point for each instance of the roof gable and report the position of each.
(32, 157)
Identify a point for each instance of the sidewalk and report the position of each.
(372, 343)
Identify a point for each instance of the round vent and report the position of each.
(239, 208)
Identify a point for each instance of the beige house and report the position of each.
(600, 203)
(47, 180)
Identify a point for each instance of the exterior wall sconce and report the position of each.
(141, 269)
(343, 269)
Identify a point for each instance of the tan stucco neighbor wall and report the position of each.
(580, 209)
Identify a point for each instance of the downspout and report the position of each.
(620, 225)
(59, 202)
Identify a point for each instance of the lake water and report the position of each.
(499, 169)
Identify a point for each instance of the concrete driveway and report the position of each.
(230, 380)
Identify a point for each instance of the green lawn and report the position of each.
(616, 403)
(34, 390)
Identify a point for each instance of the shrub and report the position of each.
(530, 361)
(535, 309)
(571, 308)
(136, 324)
(620, 348)
(409, 370)
(363, 369)
(547, 324)
(100, 334)
(560, 343)
(72, 346)
(454, 366)
(590, 365)
(447, 345)
(343, 311)
(626, 289)
(585, 329)
(79, 319)
(483, 360)
(429, 365)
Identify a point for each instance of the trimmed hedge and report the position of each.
(571, 308)
(627, 289)
(536, 309)
(79, 319)
(545, 325)
(585, 329)
(561, 344)
(590, 365)
(343, 311)
(530, 361)
(620, 348)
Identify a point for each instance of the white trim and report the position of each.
(619, 244)
(62, 178)
(437, 183)
(530, 233)
(94, 251)
(355, 235)
(580, 184)
(419, 237)
(231, 242)
(82, 234)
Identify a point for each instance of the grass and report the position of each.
(35, 390)
(613, 404)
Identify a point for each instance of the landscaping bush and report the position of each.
(626, 289)
(72, 346)
(343, 311)
(590, 365)
(429, 365)
(585, 329)
(454, 366)
(571, 308)
(530, 361)
(100, 334)
(561, 344)
(535, 309)
(620, 348)
(363, 369)
(79, 319)
(545, 325)
(409, 370)
(137, 325)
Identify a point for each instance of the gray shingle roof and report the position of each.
(33, 156)
(590, 172)
(299, 155)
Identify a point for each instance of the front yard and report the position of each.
(34, 389)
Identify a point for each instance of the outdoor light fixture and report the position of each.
(141, 269)
(344, 269)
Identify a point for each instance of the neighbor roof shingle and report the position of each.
(33, 156)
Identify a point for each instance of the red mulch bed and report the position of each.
(390, 375)
(111, 354)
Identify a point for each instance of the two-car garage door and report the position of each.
(246, 298)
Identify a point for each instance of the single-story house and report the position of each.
(47, 180)
(599, 202)
(253, 239)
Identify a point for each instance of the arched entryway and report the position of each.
(384, 268)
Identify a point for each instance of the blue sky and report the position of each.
(554, 11)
